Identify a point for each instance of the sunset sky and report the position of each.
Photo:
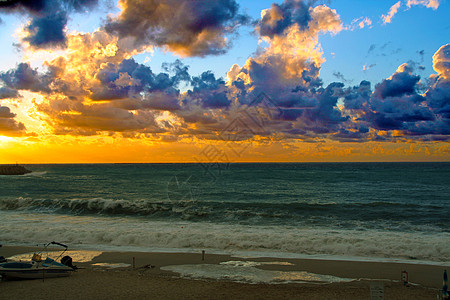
(224, 80)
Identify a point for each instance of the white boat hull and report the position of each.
(34, 274)
(29, 271)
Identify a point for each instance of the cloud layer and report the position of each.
(48, 19)
(9, 126)
(387, 18)
(189, 28)
(97, 87)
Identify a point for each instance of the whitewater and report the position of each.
(362, 211)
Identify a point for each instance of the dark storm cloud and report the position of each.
(314, 109)
(189, 28)
(23, 77)
(180, 70)
(355, 135)
(396, 104)
(9, 126)
(281, 16)
(400, 84)
(130, 79)
(438, 98)
(47, 31)
(41, 7)
(325, 117)
(6, 92)
(216, 100)
(34, 6)
(48, 19)
(358, 96)
(267, 77)
(306, 107)
(209, 91)
(6, 113)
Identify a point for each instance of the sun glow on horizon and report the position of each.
(5, 139)
(66, 149)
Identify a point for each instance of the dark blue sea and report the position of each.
(393, 211)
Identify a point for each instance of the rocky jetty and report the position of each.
(13, 170)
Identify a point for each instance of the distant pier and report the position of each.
(13, 170)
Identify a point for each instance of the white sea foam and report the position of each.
(112, 265)
(35, 174)
(247, 272)
(240, 263)
(97, 232)
(89, 232)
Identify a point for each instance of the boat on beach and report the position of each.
(38, 268)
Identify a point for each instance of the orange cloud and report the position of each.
(434, 4)
(441, 61)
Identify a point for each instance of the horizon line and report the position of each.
(216, 162)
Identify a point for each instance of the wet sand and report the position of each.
(147, 282)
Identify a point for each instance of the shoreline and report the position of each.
(93, 281)
(427, 277)
(241, 254)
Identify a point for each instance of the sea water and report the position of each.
(371, 211)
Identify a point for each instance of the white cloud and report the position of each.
(392, 12)
(359, 23)
(434, 4)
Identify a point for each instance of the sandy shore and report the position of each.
(146, 282)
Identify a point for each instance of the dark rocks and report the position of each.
(13, 170)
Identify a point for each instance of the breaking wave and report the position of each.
(348, 215)
(91, 232)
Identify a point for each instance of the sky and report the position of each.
(104, 81)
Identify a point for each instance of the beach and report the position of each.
(110, 275)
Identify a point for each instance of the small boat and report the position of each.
(38, 267)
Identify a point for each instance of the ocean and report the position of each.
(366, 211)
